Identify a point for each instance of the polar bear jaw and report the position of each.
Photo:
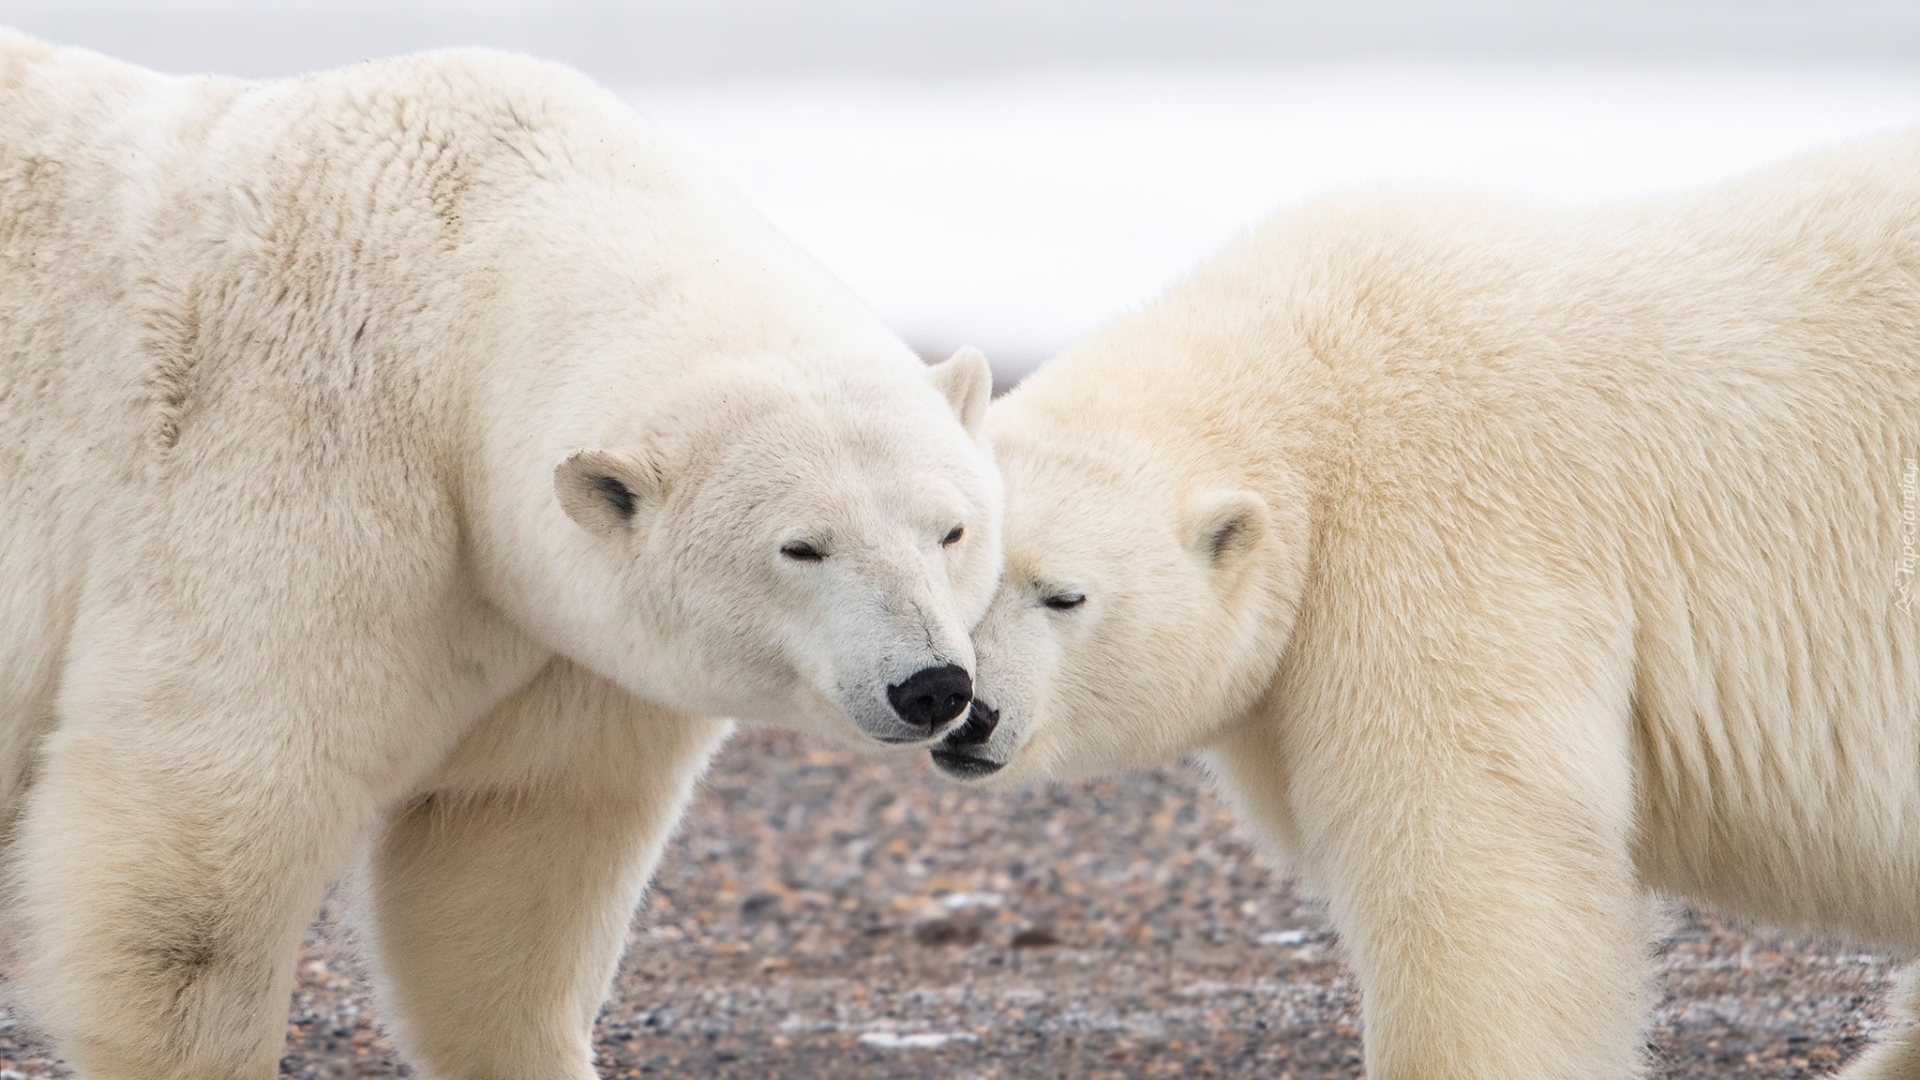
(817, 565)
(1136, 617)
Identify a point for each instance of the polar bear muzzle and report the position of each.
(960, 753)
(932, 696)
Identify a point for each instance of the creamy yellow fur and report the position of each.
(1505, 564)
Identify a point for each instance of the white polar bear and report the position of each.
(300, 386)
(1504, 565)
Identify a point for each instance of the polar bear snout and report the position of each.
(982, 718)
(962, 753)
(932, 696)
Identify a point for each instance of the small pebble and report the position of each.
(887, 1040)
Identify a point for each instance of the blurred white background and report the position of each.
(1010, 173)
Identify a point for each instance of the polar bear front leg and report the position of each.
(1492, 914)
(501, 899)
(1490, 963)
(1895, 1055)
(163, 896)
(1479, 874)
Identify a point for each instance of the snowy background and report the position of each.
(1008, 174)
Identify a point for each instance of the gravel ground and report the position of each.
(824, 913)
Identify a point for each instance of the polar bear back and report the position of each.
(123, 194)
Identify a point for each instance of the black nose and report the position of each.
(982, 718)
(932, 696)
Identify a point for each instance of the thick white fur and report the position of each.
(294, 380)
(1505, 564)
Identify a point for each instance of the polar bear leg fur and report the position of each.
(152, 958)
(1481, 877)
(163, 895)
(1895, 1055)
(501, 901)
(219, 759)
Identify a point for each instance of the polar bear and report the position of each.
(405, 465)
(1505, 565)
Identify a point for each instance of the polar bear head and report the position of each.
(797, 544)
(705, 471)
(1145, 602)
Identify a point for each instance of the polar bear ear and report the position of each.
(967, 383)
(606, 492)
(1223, 526)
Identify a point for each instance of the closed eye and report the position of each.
(1065, 601)
(801, 551)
